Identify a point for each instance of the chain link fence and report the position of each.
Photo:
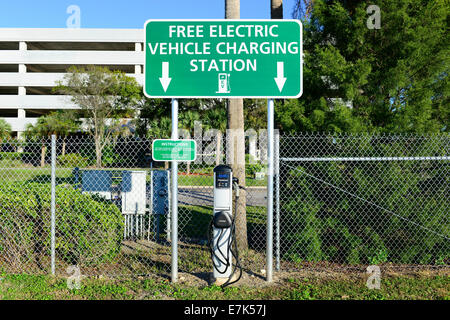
(341, 200)
(24, 207)
(358, 200)
(114, 219)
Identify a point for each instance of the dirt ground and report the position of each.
(279, 277)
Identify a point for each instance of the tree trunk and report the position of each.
(276, 9)
(43, 152)
(98, 153)
(236, 125)
(63, 151)
(232, 9)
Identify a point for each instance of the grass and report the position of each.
(38, 287)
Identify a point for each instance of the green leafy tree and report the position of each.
(154, 117)
(104, 97)
(360, 79)
(160, 129)
(255, 112)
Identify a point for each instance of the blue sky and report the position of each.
(123, 13)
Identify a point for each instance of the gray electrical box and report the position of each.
(133, 192)
(160, 191)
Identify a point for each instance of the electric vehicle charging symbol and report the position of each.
(224, 83)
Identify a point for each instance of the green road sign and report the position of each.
(174, 150)
(223, 58)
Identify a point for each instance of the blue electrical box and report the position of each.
(160, 191)
(97, 182)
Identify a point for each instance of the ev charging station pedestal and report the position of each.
(223, 204)
(222, 225)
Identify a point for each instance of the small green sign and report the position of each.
(223, 58)
(174, 150)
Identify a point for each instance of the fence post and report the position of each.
(270, 158)
(53, 206)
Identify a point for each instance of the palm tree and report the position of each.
(276, 9)
(61, 124)
(39, 131)
(216, 118)
(236, 126)
(5, 130)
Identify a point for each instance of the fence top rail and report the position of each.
(331, 159)
(398, 135)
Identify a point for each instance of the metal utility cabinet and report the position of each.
(133, 192)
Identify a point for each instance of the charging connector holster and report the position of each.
(222, 220)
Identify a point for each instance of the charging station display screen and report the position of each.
(222, 180)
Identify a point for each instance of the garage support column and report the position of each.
(21, 114)
(138, 67)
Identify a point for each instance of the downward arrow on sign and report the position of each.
(165, 80)
(280, 79)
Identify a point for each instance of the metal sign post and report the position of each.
(270, 158)
(174, 212)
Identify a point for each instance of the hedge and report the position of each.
(89, 230)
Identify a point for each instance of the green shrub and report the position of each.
(14, 159)
(19, 228)
(12, 155)
(368, 212)
(252, 166)
(72, 160)
(88, 229)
